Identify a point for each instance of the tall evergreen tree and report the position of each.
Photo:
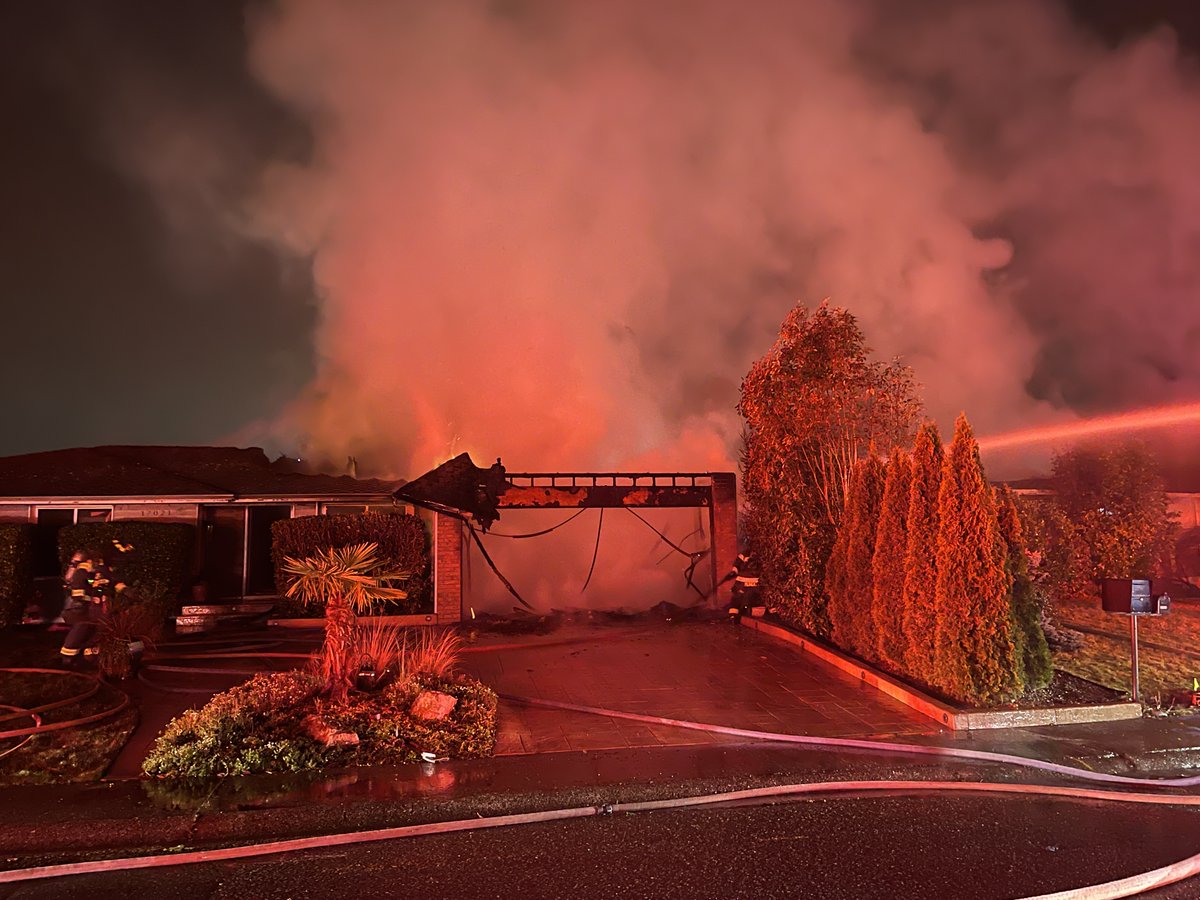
(836, 574)
(974, 654)
(919, 614)
(853, 623)
(891, 544)
(813, 404)
(1032, 650)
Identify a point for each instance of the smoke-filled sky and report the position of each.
(560, 231)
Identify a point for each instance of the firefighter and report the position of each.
(90, 585)
(745, 584)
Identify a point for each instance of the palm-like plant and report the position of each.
(347, 581)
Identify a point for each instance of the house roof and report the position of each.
(147, 471)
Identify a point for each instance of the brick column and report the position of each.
(723, 528)
(447, 569)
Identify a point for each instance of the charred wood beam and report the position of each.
(513, 496)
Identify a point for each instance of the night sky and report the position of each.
(134, 316)
(122, 327)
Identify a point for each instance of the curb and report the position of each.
(943, 713)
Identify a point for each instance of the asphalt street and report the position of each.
(894, 846)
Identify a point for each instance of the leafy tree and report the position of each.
(974, 654)
(850, 612)
(347, 581)
(1032, 650)
(919, 613)
(888, 565)
(1109, 518)
(813, 405)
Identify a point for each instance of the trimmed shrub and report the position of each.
(250, 729)
(16, 571)
(891, 540)
(157, 567)
(402, 545)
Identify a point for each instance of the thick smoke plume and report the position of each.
(561, 231)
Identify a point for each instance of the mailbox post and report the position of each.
(1134, 597)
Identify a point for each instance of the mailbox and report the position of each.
(1135, 596)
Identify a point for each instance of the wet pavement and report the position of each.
(702, 671)
(709, 672)
(897, 848)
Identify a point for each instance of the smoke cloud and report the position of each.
(562, 231)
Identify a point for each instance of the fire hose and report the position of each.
(1125, 887)
(34, 713)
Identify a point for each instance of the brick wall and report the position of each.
(723, 528)
(447, 568)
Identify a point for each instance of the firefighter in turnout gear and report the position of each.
(746, 592)
(90, 585)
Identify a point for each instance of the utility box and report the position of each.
(1134, 596)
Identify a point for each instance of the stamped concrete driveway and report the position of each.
(710, 672)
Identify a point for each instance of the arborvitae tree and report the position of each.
(853, 624)
(1031, 647)
(919, 614)
(974, 655)
(891, 544)
(836, 573)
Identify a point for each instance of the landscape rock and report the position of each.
(432, 706)
(322, 732)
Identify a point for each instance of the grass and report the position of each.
(70, 755)
(1168, 649)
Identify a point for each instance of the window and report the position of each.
(45, 540)
(45, 534)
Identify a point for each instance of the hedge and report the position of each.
(157, 567)
(402, 541)
(16, 571)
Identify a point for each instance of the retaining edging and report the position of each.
(943, 713)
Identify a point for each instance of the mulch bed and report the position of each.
(1066, 689)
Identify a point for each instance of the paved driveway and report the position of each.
(706, 672)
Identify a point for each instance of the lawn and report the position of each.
(1168, 649)
(73, 754)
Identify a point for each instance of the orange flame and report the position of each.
(1137, 420)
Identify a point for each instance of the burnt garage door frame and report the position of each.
(463, 496)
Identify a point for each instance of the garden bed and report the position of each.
(274, 722)
(1066, 689)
